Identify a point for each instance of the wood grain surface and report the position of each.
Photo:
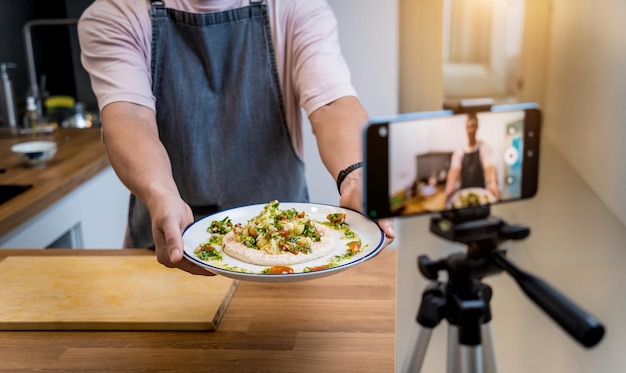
(80, 156)
(340, 323)
(107, 293)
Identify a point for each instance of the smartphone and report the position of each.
(430, 162)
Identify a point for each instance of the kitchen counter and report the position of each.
(80, 156)
(340, 323)
(420, 204)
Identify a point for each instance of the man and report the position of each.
(200, 103)
(472, 166)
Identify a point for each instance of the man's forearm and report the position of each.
(451, 183)
(135, 151)
(338, 129)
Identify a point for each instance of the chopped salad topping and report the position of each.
(275, 231)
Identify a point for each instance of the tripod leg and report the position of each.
(478, 359)
(489, 354)
(472, 359)
(415, 355)
(461, 358)
(454, 350)
(429, 315)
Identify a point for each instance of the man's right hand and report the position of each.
(169, 219)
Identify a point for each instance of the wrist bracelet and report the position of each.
(343, 173)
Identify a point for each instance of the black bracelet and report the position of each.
(343, 173)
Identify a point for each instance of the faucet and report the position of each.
(30, 58)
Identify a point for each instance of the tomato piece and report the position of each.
(252, 232)
(354, 246)
(280, 270)
(336, 217)
(284, 246)
(319, 268)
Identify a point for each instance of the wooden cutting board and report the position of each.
(107, 293)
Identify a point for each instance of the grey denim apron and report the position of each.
(220, 113)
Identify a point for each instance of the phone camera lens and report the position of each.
(530, 153)
(531, 134)
(382, 131)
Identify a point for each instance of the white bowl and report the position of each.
(35, 153)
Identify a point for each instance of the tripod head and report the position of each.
(483, 234)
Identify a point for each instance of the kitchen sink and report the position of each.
(9, 191)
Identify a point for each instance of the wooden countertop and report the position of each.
(340, 323)
(80, 156)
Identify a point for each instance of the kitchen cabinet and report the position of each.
(75, 201)
(92, 217)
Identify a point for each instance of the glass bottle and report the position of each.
(31, 117)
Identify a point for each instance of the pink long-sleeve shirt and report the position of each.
(116, 35)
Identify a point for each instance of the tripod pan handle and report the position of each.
(583, 327)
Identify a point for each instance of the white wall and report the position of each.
(582, 90)
(421, 55)
(368, 35)
(421, 89)
(585, 113)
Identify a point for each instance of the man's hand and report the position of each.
(169, 220)
(352, 197)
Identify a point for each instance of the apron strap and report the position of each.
(197, 140)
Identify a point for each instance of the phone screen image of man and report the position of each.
(455, 162)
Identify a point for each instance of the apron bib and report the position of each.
(220, 113)
(472, 172)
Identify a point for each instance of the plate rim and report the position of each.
(273, 277)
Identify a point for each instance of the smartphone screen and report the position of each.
(432, 162)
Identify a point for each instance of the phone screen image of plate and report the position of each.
(456, 161)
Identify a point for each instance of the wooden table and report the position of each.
(420, 204)
(340, 323)
(80, 156)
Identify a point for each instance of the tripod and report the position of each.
(464, 301)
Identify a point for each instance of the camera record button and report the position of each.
(511, 155)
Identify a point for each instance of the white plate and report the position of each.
(371, 235)
(484, 195)
(428, 190)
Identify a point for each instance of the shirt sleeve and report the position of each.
(320, 73)
(457, 158)
(115, 50)
(486, 155)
